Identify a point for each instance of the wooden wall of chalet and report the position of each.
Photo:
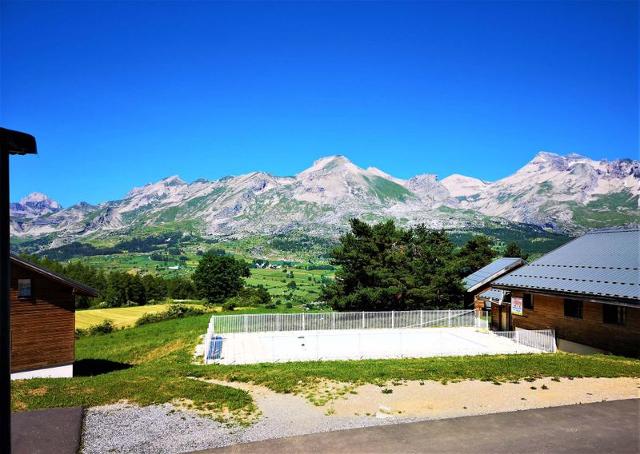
(42, 327)
(548, 312)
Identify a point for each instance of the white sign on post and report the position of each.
(516, 305)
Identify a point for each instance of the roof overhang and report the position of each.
(602, 299)
(78, 288)
(16, 142)
(496, 275)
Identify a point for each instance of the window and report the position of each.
(527, 301)
(573, 308)
(24, 288)
(613, 315)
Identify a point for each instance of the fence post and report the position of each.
(449, 318)
(206, 349)
(333, 320)
(421, 318)
(246, 324)
(362, 319)
(303, 328)
(392, 319)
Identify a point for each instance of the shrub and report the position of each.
(105, 327)
(174, 311)
(251, 297)
(229, 306)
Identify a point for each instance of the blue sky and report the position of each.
(119, 94)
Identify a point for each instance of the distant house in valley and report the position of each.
(478, 285)
(42, 321)
(588, 291)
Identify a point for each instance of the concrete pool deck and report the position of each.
(272, 346)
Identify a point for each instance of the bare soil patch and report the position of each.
(436, 400)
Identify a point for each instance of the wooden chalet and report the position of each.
(42, 321)
(588, 291)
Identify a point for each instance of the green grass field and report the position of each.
(146, 365)
(152, 364)
(308, 283)
(123, 317)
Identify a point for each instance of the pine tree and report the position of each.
(513, 250)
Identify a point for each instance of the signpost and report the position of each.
(516, 305)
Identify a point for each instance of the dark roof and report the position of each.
(80, 289)
(602, 263)
(16, 142)
(490, 272)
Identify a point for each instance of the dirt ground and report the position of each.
(435, 400)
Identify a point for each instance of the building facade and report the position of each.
(42, 321)
(588, 291)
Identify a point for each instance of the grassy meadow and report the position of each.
(124, 316)
(276, 281)
(154, 364)
(308, 282)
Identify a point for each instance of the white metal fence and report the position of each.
(542, 339)
(329, 321)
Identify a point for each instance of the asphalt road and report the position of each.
(605, 427)
(51, 431)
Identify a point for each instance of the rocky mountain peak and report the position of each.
(330, 164)
(38, 198)
(173, 180)
(550, 191)
(34, 205)
(463, 186)
(159, 188)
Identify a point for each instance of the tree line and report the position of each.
(118, 288)
(217, 279)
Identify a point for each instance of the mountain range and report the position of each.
(566, 194)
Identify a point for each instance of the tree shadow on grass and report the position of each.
(91, 367)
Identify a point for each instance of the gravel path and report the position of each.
(152, 429)
(163, 429)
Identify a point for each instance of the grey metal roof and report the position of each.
(492, 294)
(603, 263)
(492, 271)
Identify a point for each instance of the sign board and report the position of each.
(516, 305)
